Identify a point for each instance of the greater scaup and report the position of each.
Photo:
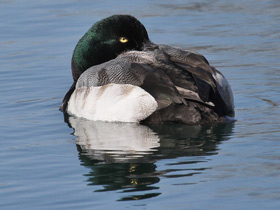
(120, 75)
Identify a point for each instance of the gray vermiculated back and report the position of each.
(115, 71)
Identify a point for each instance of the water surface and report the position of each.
(48, 162)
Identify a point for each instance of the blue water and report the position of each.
(48, 162)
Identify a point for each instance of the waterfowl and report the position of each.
(120, 75)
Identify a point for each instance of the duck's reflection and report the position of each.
(124, 155)
(114, 142)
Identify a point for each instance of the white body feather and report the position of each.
(112, 102)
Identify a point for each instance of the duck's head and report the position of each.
(105, 40)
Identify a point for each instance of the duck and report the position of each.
(119, 75)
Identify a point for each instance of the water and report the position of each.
(47, 165)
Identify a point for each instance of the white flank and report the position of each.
(112, 102)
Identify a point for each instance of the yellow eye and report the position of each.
(123, 40)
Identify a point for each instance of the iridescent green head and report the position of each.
(105, 40)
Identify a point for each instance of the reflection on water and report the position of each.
(114, 142)
(123, 156)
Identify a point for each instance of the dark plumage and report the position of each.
(186, 88)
